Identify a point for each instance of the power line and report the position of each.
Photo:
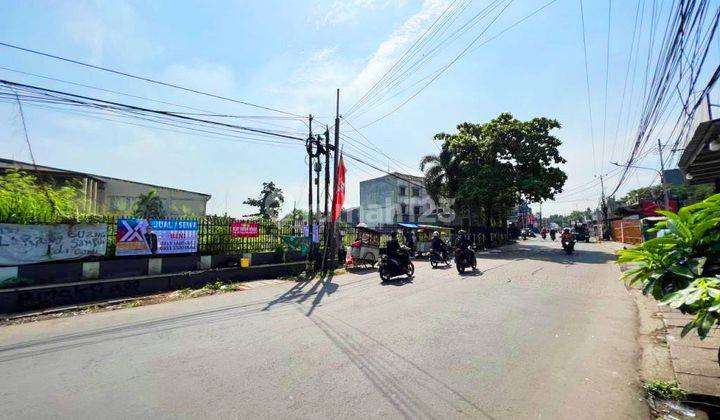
(145, 79)
(458, 57)
(587, 84)
(113, 105)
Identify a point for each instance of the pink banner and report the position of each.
(244, 229)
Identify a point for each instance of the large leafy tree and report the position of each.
(441, 173)
(268, 202)
(149, 206)
(497, 163)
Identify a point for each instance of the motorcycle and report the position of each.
(568, 245)
(544, 235)
(389, 268)
(464, 258)
(524, 234)
(437, 258)
(552, 235)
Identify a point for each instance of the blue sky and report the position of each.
(291, 55)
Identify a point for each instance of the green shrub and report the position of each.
(681, 268)
(665, 390)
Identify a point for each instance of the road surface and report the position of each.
(535, 334)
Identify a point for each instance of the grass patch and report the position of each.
(667, 390)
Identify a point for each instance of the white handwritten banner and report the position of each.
(27, 244)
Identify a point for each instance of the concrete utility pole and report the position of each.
(308, 146)
(336, 157)
(603, 208)
(662, 177)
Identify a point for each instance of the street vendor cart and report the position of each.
(365, 249)
(424, 238)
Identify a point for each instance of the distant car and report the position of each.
(581, 235)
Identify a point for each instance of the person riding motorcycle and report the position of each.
(566, 235)
(393, 250)
(552, 234)
(463, 242)
(438, 245)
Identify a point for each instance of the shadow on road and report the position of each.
(397, 281)
(323, 286)
(584, 253)
(393, 383)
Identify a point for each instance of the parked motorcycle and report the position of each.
(437, 258)
(568, 245)
(402, 266)
(465, 258)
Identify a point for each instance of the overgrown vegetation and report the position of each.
(665, 390)
(682, 268)
(26, 200)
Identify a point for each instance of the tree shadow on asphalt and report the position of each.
(556, 255)
(322, 287)
(391, 381)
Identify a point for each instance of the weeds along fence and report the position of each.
(214, 232)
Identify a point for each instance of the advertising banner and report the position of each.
(27, 244)
(240, 229)
(162, 236)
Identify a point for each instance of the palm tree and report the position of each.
(441, 174)
(149, 206)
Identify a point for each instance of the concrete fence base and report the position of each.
(27, 298)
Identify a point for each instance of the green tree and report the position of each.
(442, 173)
(500, 162)
(26, 200)
(149, 206)
(269, 202)
(295, 214)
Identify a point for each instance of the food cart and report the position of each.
(365, 249)
(424, 238)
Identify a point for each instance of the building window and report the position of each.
(417, 210)
(402, 191)
(416, 192)
(403, 208)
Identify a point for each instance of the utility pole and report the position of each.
(327, 171)
(318, 168)
(308, 147)
(662, 177)
(336, 157)
(603, 207)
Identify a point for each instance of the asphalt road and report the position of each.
(534, 334)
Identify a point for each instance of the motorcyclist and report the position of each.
(463, 242)
(543, 233)
(567, 236)
(393, 249)
(552, 234)
(438, 245)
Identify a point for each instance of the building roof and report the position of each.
(697, 159)
(26, 166)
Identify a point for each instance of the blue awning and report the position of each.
(408, 225)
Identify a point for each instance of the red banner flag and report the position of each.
(340, 192)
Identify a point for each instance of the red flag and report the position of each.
(340, 191)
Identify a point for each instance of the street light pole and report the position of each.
(662, 177)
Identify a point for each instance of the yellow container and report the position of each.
(244, 262)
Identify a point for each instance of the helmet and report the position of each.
(566, 230)
(461, 232)
(436, 234)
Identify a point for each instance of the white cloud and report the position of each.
(104, 30)
(395, 45)
(342, 11)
